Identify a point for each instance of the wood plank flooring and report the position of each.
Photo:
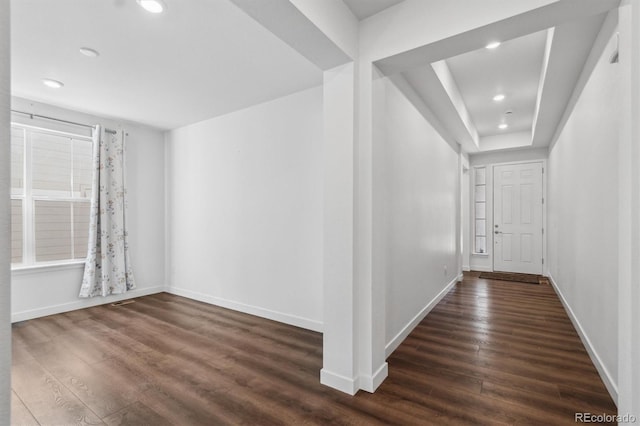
(491, 352)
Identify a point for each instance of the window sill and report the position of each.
(47, 267)
(481, 254)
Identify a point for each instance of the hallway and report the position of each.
(506, 352)
(491, 352)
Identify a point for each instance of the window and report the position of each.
(50, 195)
(480, 209)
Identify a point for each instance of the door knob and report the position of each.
(497, 232)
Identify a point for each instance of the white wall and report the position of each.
(46, 291)
(5, 282)
(505, 141)
(629, 213)
(416, 197)
(466, 228)
(583, 216)
(245, 210)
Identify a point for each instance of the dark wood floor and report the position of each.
(492, 352)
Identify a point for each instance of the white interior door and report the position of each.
(517, 218)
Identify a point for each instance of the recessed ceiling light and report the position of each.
(153, 6)
(503, 126)
(91, 53)
(498, 98)
(54, 84)
(493, 45)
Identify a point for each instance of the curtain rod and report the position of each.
(113, 132)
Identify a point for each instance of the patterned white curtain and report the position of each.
(108, 269)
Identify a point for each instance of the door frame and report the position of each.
(484, 263)
(544, 209)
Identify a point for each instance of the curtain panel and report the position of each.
(108, 267)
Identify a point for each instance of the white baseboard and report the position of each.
(466, 268)
(407, 329)
(82, 304)
(371, 383)
(339, 382)
(294, 320)
(606, 377)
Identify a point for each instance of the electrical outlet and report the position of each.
(445, 270)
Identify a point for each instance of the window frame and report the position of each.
(29, 200)
(475, 231)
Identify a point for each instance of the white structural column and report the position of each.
(373, 368)
(5, 277)
(629, 219)
(340, 298)
(354, 305)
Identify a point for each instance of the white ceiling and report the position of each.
(198, 60)
(538, 67)
(205, 58)
(365, 8)
(512, 69)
